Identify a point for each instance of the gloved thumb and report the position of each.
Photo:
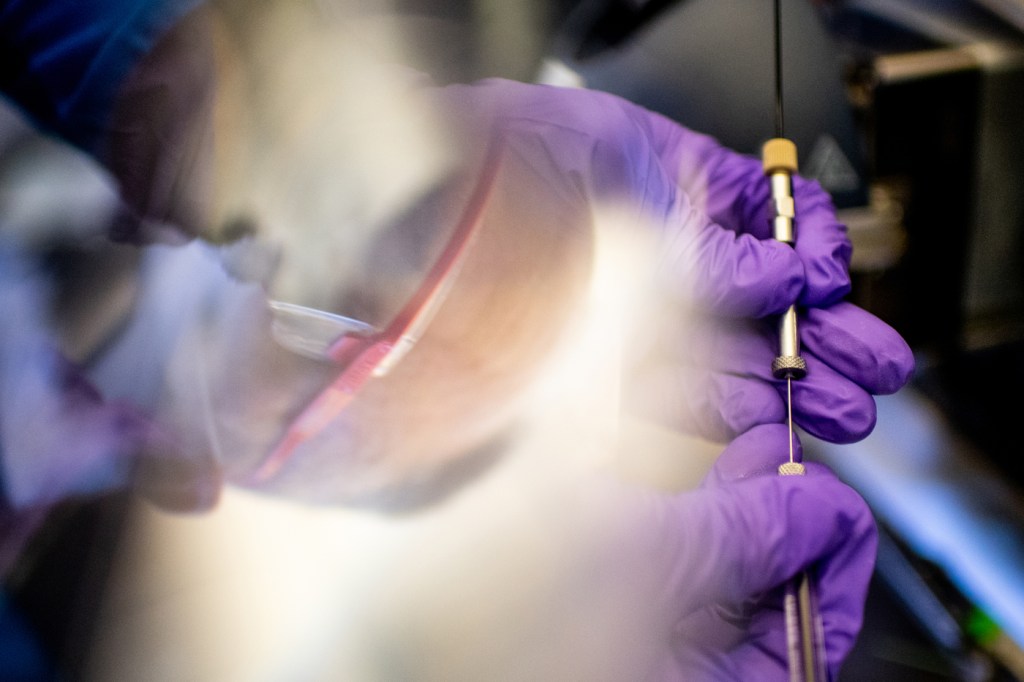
(736, 538)
(757, 452)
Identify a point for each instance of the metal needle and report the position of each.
(804, 636)
(789, 416)
(803, 630)
(779, 159)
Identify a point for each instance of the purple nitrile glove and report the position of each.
(59, 436)
(728, 548)
(851, 355)
(711, 206)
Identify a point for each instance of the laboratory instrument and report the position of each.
(804, 632)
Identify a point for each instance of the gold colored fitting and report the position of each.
(779, 154)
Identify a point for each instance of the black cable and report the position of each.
(779, 123)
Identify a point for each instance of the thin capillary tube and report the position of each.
(789, 419)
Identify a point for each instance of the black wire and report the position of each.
(779, 123)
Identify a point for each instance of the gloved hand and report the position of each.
(59, 436)
(711, 206)
(728, 548)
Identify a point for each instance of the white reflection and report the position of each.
(500, 581)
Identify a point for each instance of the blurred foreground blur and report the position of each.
(908, 112)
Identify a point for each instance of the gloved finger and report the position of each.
(747, 456)
(822, 244)
(764, 645)
(699, 382)
(744, 347)
(733, 190)
(714, 200)
(757, 655)
(709, 647)
(715, 627)
(732, 274)
(828, 405)
(89, 443)
(61, 437)
(764, 529)
(859, 346)
(841, 582)
(709, 404)
(749, 642)
(723, 394)
(617, 152)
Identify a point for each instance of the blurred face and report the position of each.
(318, 133)
(459, 386)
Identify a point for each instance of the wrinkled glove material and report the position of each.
(712, 205)
(726, 550)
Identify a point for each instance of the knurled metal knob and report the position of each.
(792, 469)
(789, 367)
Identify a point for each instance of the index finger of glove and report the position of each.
(754, 453)
(826, 402)
(822, 244)
(736, 275)
(859, 346)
